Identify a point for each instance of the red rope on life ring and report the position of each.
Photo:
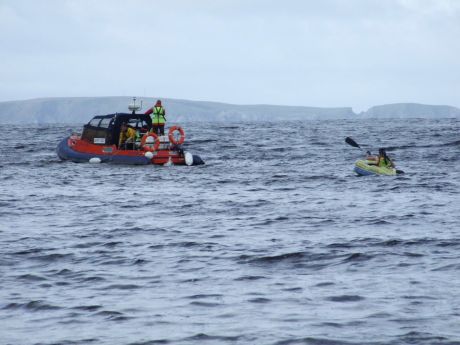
(148, 147)
(171, 136)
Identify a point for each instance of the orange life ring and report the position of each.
(148, 147)
(171, 136)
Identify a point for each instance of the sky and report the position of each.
(328, 53)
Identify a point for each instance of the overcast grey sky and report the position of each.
(327, 53)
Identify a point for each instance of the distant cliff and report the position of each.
(411, 110)
(82, 109)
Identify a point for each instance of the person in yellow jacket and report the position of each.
(127, 137)
(158, 115)
(382, 160)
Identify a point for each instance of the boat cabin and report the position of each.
(105, 129)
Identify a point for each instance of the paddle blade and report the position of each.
(351, 142)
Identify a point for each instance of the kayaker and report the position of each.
(127, 137)
(157, 113)
(382, 160)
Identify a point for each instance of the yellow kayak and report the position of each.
(363, 168)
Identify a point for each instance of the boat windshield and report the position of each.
(95, 122)
(105, 122)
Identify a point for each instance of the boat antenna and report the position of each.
(133, 106)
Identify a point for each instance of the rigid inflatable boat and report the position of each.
(363, 168)
(98, 143)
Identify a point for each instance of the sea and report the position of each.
(273, 241)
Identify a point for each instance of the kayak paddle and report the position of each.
(351, 142)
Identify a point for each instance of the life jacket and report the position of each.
(158, 116)
(386, 163)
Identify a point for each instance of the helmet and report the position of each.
(158, 103)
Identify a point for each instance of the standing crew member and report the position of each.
(158, 118)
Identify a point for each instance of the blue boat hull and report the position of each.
(66, 153)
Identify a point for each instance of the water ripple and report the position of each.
(270, 242)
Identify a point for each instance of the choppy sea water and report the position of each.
(273, 241)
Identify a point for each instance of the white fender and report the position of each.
(148, 154)
(188, 158)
